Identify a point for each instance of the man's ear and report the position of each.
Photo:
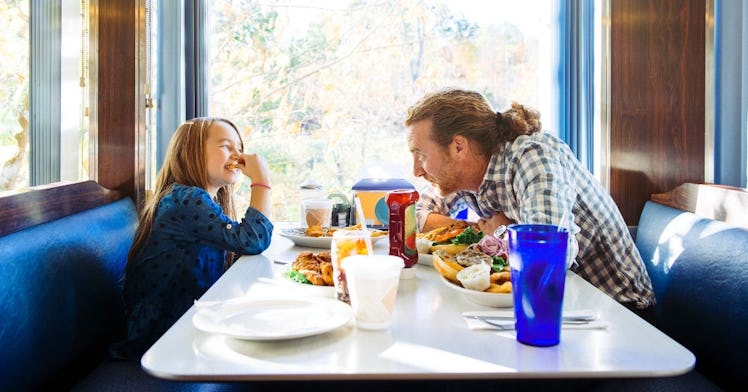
(460, 144)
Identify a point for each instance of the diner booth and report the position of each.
(674, 147)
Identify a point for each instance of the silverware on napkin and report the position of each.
(504, 320)
(508, 324)
(581, 318)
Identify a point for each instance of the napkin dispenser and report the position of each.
(371, 192)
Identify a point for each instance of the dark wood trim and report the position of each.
(117, 96)
(49, 202)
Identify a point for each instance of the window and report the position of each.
(14, 74)
(43, 138)
(322, 90)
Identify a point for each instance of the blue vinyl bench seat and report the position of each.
(61, 303)
(699, 271)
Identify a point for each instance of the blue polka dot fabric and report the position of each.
(183, 257)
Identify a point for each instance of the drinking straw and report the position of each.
(563, 221)
(364, 228)
(566, 217)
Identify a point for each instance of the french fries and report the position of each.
(447, 268)
(500, 277)
(317, 231)
(504, 288)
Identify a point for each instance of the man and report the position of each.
(506, 170)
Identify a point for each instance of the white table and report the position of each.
(429, 339)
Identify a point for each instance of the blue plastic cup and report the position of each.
(537, 258)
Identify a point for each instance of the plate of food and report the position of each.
(479, 272)
(311, 273)
(316, 237)
(452, 238)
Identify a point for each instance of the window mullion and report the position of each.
(44, 92)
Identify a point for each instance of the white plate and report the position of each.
(494, 300)
(273, 319)
(310, 289)
(426, 259)
(299, 238)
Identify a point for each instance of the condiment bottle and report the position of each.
(403, 227)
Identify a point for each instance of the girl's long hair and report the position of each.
(184, 163)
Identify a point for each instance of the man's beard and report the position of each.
(436, 188)
(449, 181)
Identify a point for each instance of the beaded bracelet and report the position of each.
(261, 185)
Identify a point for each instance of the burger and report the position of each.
(452, 239)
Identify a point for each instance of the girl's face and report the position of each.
(222, 153)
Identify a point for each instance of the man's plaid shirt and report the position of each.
(535, 179)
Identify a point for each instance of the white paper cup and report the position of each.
(372, 287)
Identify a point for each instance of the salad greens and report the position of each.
(498, 263)
(469, 236)
(297, 276)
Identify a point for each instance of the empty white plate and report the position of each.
(273, 319)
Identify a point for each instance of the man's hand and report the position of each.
(488, 226)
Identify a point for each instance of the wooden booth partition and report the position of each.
(657, 99)
(119, 163)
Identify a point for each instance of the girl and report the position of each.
(188, 225)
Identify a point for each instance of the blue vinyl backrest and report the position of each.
(699, 270)
(60, 291)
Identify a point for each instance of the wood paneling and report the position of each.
(657, 99)
(117, 125)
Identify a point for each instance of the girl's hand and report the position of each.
(254, 167)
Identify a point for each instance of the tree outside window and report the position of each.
(322, 90)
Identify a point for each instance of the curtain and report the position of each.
(171, 80)
(576, 77)
(730, 93)
(196, 53)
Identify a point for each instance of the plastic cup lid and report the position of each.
(382, 184)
